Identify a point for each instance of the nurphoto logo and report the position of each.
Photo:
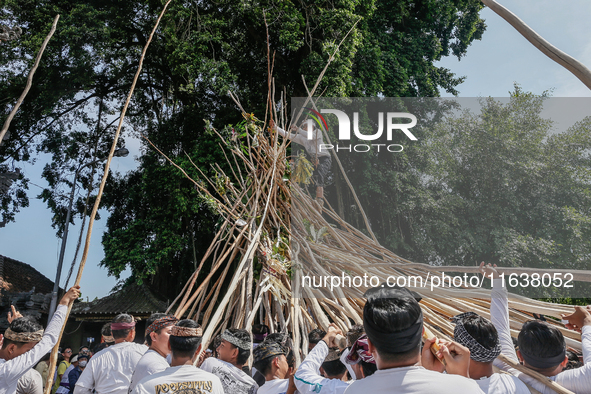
(392, 122)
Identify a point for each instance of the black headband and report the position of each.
(394, 342)
(543, 362)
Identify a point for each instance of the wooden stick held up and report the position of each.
(53, 357)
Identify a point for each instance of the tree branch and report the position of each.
(29, 80)
(570, 63)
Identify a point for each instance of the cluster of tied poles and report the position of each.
(267, 217)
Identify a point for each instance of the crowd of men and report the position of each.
(387, 354)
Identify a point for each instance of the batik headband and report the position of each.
(122, 326)
(177, 331)
(109, 338)
(268, 349)
(228, 336)
(477, 351)
(360, 352)
(161, 323)
(23, 336)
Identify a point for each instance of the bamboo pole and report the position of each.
(53, 358)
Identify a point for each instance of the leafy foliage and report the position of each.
(201, 51)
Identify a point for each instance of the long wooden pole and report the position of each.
(570, 63)
(29, 80)
(100, 193)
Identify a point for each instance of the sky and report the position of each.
(491, 67)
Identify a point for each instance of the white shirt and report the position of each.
(308, 379)
(413, 380)
(110, 370)
(30, 383)
(234, 380)
(275, 386)
(313, 146)
(180, 379)
(150, 363)
(502, 383)
(65, 380)
(577, 380)
(12, 370)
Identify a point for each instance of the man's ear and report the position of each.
(563, 364)
(169, 348)
(11, 348)
(197, 352)
(322, 372)
(519, 356)
(371, 347)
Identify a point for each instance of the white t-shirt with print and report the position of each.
(180, 379)
(234, 380)
(150, 363)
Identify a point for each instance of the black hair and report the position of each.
(153, 317)
(22, 324)
(540, 340)
(216, 344)
(106, 330)
(242, 335)
(368, 368)
(290, 358)
(334, 368)
(185, 346)
(264, 365)
(122, 318)
(391, 311)
(100, 347)
(482, 330)
(259, 329)
(573, 361)
(354, 333)
(316, 335)
(277, 337)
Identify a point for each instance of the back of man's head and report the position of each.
(107, 334)
(259, 332)
(332, 365)
(541, 345)
(479, 335)
(122, 318)
(354, 333)
(316, 336)
(185, 346)
(393, 322)
(21, 327)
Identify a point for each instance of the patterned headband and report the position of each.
(177, 331)
(360, 352)
(23, 336)
(161, 323)
(109, 338)
(477, 351)
(228, 336)
(122, 326)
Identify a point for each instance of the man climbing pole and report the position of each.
(312, 143)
